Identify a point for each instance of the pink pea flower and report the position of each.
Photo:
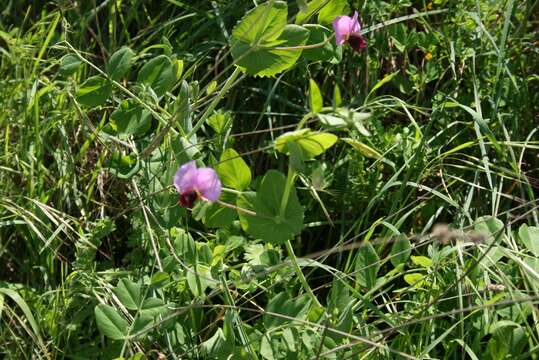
(193, 183)
(349, 30)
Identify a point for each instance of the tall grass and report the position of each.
(452, 102)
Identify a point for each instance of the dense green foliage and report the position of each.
(377, 204)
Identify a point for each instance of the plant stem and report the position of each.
(213, 104)
(299, 273)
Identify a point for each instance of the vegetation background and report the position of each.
(97, 260)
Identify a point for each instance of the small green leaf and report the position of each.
(152, 307)
(268, 224)
(302, 5)
(211, 87)
(367, 266)
(315, 97)
(400, 251)
(110, 323)
(529, 235)
(414, 279)
(120, 63)
(123, 166)
(199, 278)
(69, 65)
(128, 292)
(282, 304)
(337, 99)
(311, 143)
(131, 118)
(233, 171)
(489, 226)
(94, 92)
(421, 261)
(159, 73)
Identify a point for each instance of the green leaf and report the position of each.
(311, 143)
(421, 261)
(489, 226)
(282, 304)
(328, 52)
(218, 216)
(400, 251)
(529, 235)
(337, 99)
(367, 266)
(123, 166)
(233, 171)
(414, 279)
(110, 323)
(271, 58)
(131, 118)
(333, 9)
(220, 121)
(315, 97)
(153, 307)
(363, 149)
(264, 24)
(302, 5)
(267, 224)
(120, 63)
(159, 73)
(69, 65)
(128, 292)
(94, 92)
(217, 347)
(199, 279)
(387, 78)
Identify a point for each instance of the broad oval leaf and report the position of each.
(120, 63)
(159, 73)
(233, 171)
(267, 224)
(69, 65)
(94, 92)
(110, 323)
(271, 58)
(263, 24)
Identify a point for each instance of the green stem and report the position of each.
(215, 101)
(299, 273)
(291, 177)
(284, 202)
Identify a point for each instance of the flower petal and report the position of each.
(355, 27)
(208, 184)
(342, 25)
(185, 177)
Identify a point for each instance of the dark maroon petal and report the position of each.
(187, 200)
(357, 42)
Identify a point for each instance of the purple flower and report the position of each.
(193, 183)
(348, 30)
